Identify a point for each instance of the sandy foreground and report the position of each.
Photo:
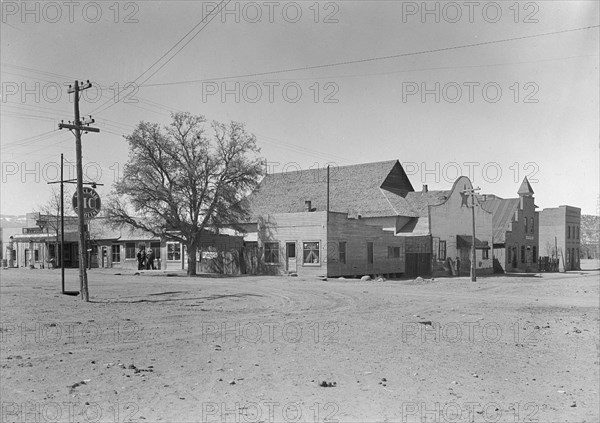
(256, 349)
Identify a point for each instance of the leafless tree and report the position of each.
(186, 178)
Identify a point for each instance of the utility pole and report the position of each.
(76, 127)
(471, 192)
(62, 223)
(327, 193)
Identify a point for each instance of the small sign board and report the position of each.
(91, 203)
(209, 255)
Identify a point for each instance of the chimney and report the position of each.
(425, 189)
(308, 206)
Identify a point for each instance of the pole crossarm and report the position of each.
(74, 181)
(80, 127)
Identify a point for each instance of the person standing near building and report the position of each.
(141, 257)
(150, 259)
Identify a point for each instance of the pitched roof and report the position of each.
(416, 226)
(525, 188)
(503, 210)
(420, 201)
(101, 229)
(369, 189)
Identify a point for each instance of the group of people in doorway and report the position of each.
(145, 258)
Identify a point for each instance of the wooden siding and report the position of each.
(298, 228)
(357, 233)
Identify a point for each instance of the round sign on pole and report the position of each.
(91, 203)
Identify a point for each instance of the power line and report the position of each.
(360, 75)
(212, 15)
(378, 58)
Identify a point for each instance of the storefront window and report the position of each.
(311, 252)
(174, 251)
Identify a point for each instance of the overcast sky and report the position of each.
(493, 90)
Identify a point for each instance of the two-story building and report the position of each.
(560, 235)
(515, 230)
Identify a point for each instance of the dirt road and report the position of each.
(257, 349)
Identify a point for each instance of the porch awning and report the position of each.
(466, 241)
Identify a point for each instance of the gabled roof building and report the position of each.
(364, 219)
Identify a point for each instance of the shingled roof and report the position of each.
(369, 189)
(421, 200)
(419, 203)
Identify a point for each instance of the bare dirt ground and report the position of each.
(256, 349)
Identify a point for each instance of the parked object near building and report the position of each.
(560, 235)
(515, 230)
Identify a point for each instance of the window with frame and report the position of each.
(271, 252)
(130, 250)
(442, 250)
(568, 232)
(526, 227)
(310, 252)
(522, 254)
(393, 252)
(342, 252)
(369, 253)
(116, 253)
(485, 254)
(174, 251)
(532, 226)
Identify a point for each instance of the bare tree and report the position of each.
(186, 178)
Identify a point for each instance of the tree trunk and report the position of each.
(191, 253)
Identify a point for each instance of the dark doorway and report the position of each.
(418, 264)
(290, 255)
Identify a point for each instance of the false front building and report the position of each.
(560, 235)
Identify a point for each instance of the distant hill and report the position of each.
(590, 236)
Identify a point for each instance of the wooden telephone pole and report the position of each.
(472, 192)
(76, 127)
